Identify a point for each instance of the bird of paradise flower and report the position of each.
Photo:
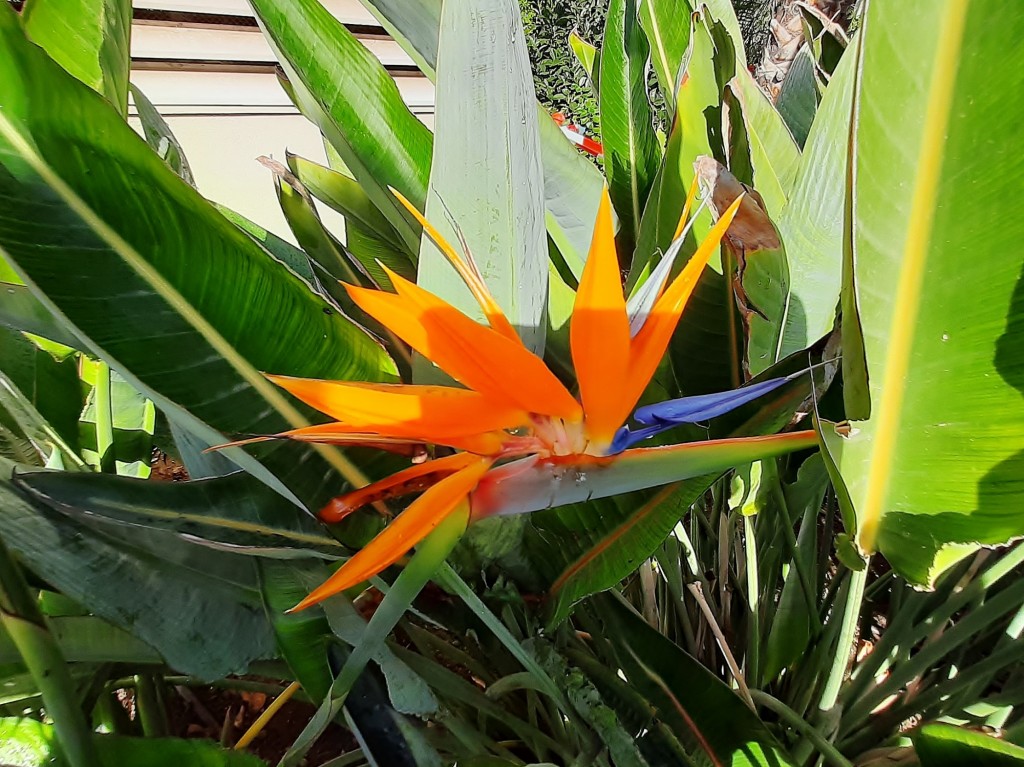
(515, 427)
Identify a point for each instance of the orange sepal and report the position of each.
(652, 340)
(409, 528)
(334, 433)
(410, 480)
(599, 332)
(495, 316)
(477, 356)
(430, 413)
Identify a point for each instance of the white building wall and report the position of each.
(226, 119)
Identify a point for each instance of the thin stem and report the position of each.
(847, 636)
(753, 601)
(149, 703)
(794, 720)
(104, 419)
(266, 716)
(730, 659)
(27, 628)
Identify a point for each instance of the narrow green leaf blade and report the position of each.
(631, 151)
(667, 25)
(347, 92)
(708, 718)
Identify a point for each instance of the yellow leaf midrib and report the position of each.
(907, 303)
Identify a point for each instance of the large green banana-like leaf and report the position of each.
(812, 224)
(235, 512)
(711, 722)
(667, 26)
(347, 92)
(187, 308)
(29, 743)
(152, 583)
(572, 185)
(484, 71)
(938, 468)
(89, 38)
(631, 151)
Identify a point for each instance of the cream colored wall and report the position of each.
(222, 152)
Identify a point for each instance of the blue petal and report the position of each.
(706, 406)
(664, 415)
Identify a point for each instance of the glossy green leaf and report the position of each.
(485, 71)
(631, 151)
(89, 38)
(346, 91)
(191, 333)
(939, 287)
(28, 743)
(131, 418)
(774, 155)
(302, 637)
(667, 25)
(344, 194)
(812, 224)
(944, 745)
(710, 720)
(724, 13)
(152, 583)
(235, 512)
(572, 184)
(799, 95)
(586, 54)
(160, 137)
(20, 310)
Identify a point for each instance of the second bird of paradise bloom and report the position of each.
(511, 407)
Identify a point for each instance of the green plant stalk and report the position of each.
(150, 705)
(104, 420)
(900, 634)
(421, 568)
(980, 673)
(847, 635)
(753, 660)
(27, 628)
(794, 720)
(794, 552)
(963, 631)
(447, 578)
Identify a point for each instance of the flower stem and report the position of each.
(27, 628)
